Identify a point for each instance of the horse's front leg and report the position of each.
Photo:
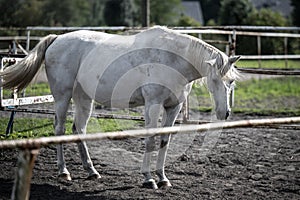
(169, 119)
(160, 165)
(83, 110)
(85, 158)
(151, 119)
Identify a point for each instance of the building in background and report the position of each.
(282, 6)
(193, 9)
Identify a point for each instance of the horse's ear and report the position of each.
(211, 62)
(234, 59)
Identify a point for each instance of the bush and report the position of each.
(187, 21)
(263, 17)
(234, 12)
(266, 17)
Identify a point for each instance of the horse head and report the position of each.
(220, 79)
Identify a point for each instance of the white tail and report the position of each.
(19, 75)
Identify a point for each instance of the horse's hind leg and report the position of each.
(83, 109)
(169, 119)
(61, 108)
(152, 112)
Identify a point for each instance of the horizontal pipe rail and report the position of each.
(97, 115)
(259, 28)
(45, 141)
(246, 33)
(10, 38)
(269, 57)
(245, 28)
(281, 72)
(75, 28)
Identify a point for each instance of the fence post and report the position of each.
(232, 48)
(233, 44)
(259, 50)
(14, 47)
(145, 13)
(286, 51)
(25, 165)
(227, 46)
(200, 36)
(28, 41)
(185, 110)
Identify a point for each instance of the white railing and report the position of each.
(232, 31)
(30, 147)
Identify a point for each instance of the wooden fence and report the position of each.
(232, 31)
(30, 147)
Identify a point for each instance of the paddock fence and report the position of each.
(232, 33)
(30, 147)
(13, 103)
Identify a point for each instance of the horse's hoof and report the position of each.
(164, 184)
(65, 177)
(150, 184)
(94, 177)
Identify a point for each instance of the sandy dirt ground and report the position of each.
(243, 163)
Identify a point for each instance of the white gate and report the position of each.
(16, 99)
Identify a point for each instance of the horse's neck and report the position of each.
(200, 53)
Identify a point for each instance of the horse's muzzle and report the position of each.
(227, 114)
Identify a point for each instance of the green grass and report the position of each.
(273, 64)
(32, 90)
(43, 127)
(274, 96)
(278, 95)
(259, 96)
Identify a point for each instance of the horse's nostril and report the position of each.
(227, 114)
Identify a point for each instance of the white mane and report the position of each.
(208, 52)
(201, 51)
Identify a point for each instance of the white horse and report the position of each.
(154, 68)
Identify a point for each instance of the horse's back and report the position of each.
(77, 42)
(63, 57)
(109, 66)
(117, 68)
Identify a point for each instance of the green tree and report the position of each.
(165, 12)
(7, 11)
(263, 17)
(296, 12)
(187, 21)
(234, 12)
(113, 13)
(66, 12)
(96, 13)
(120, 13)
(30, 13)
(20, 13)
(161, 12)
(210, 9)
(266, 17)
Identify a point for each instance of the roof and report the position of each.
(282, 6)
(193, 9)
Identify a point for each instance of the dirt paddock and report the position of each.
(244, 163)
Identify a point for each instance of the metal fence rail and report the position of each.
(231, 31)
(30, 147)
(280, 72)
(45, 141)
